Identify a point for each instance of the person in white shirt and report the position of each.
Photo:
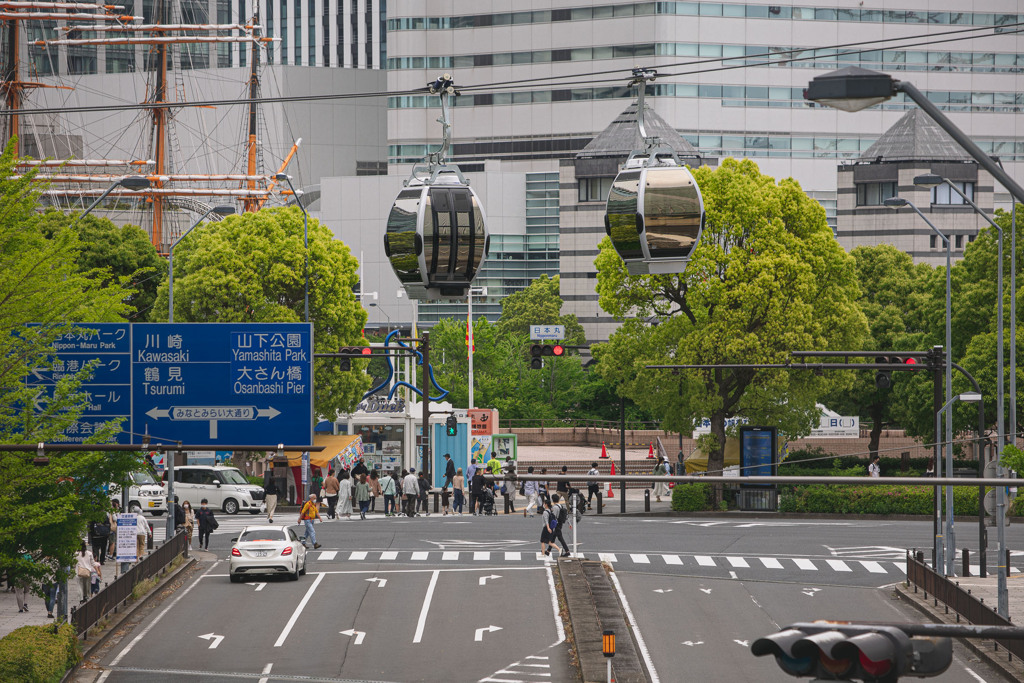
(530, 490)
(141, 532)
(593, 488)
(411, 489)
(873, 469)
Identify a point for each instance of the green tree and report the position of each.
(44, 507)
(250, 268)
(110, 251)
(767, 278)
(539, 304)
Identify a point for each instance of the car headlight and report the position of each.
(143, 494)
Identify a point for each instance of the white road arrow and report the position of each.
(359, 635)
(664, 590)
(214, 638)
(480, 632)
(744, 643)
(380, 583)
(706, 590)
(810, 591)
(690, 643)
(483, 579)
(260, 586)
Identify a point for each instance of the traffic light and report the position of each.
(538, 351)
(345, 363)
(883, 378)
(839, 651)
(451, 426)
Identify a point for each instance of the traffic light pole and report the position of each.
(938, 548)
(425, 350)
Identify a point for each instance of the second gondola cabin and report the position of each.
(436, 239)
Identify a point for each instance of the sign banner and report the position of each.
(542, 332)
(481, 422)
(126, 527)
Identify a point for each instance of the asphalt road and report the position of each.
(469, 599)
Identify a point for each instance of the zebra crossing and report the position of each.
(227, 525)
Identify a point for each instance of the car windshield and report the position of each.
(232, 477)
(141, 478)
(256, 535)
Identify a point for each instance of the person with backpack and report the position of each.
(307, 515)
(424, 489)
(550, 525)
(99, 535)
(593, 488)
(388, 487)
(561, 512)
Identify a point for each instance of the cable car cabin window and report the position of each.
(465, 243)
(401, 237)
(672, 212)
(622, 216)
(437, 231)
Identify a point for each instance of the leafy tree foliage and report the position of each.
(767, 278)
(250, 268)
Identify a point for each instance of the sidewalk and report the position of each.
(11, 619)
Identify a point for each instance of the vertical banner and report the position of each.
(758, 452)
(126, 527)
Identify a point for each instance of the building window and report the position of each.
(594, 189)
(873, 194)
(931, 241)
(959, 242)
(943, 195)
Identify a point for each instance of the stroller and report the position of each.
(487, 500)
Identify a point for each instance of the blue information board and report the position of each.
(758, 453)
(206, 384)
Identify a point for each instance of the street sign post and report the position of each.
(541, 332)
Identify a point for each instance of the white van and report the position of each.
(223, 487)
(145, 494)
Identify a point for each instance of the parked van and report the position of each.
(145, 494)
(223, 487)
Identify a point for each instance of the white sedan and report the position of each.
(267, 550)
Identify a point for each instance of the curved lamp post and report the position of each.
(852, 89)
(284, 177)
(217, 210)
(132, 182)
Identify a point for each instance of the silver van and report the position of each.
(223, 487)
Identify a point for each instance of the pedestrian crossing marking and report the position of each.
(358, 555)
(672, 559)
(872, 566)
(328, 554)
(513, 557)
(839, 565)
(482, 555)
(738, 562)
(389, 555)
(607, 557)
(449, 555)
(420, 556)
(640, 559)
(704, 561)
(806, 565)
(771, 563)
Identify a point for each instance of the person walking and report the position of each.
(142, 532)
(84, 567)
(411, 489)
(331, 488)
(20, 584)
(190, 520)
(562, 486)
(874, 470)
(421, 497)
(494, 466)
(530, 490)
(112, 521)
(550, 523)
(510, 483)
(660, 487)
(459, 489)
(345, 496)
(374, 490)
(593, 488)
(316, 483)
(449, 471)
(680, 464)
(207, 523)
(99, 535)
(307, 515)
(388, 487)
(50, 591)
(179, 516)
(270, 493)
(476, 492)
(561, 512)
(362, 495)
(542, 487)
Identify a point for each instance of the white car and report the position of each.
(145, 494)
(267, 550)
(225, 488)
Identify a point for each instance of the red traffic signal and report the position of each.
(557, 350)
(910, 361)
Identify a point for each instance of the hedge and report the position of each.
(817, 458)
(35, 654)
(691, 497)
(873, 500)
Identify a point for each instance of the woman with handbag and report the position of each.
(190, 520)
(84, 568)
(112, 522)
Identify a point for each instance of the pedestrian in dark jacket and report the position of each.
(476, 490)
(421, 500)
(207, 524)
(449, 471)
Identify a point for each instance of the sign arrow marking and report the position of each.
(483, 579)
(480, 632)
(260, 586)
(744, 643)
(359, 635)
(214, 638)
(706, 590)
(810, 591)
(666, 590)
(690, 643)
(270, 412)
(380, 584)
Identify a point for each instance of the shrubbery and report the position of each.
(816, 458)
(1017, 507)
(873, 500)
(34, 654)
(691, 497)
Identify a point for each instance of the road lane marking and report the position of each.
(641, 645)
(479, 636)
(513, 556)
(259, 587)
(379, 581)
(328, 554)
(839, 565)
(484, 579)
(482, 555)
(357, 635)
(389, 555)
(426, 606)
(559, 626)
(771, 563)
(806, 565)
(704, 560)
(298, 611)
(266, 670)
(873, 567)
(358, 555)
(450, 555)
(738, 562)
(901, 567)
(974, 675)
(607, 557)
(156, 620)
(420, 556)
(640, 559)
(214, 639)
(672, 559)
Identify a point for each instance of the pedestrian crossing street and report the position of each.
(228, 525)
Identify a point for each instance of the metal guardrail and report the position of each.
(115, 594)
(959, 600)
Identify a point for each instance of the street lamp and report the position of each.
(896, 203)
(132, 182)
(967, 397)
(852, 89)
(217, 210)
(284, 177)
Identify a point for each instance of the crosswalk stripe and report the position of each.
(900, 566)
(449, 555)
(607, 557)
(738, 562)
(672, 559)
(358, 555)
(806, 565)
(839, 565)
(640, 559)
(513, 557)
(420, 556)
(873, 567)
(704, 561)
(389, 555)
(481, 555)
(328, 555)
(771, 563)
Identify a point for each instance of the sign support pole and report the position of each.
(425, 349)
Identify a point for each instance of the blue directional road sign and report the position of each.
(223, 383)
(107, 346)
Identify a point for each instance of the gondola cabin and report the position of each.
(654, 216)
(435, 237)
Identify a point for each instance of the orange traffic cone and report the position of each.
(604, 451)
(611, 494)
(650, 452)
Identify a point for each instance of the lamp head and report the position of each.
(851, 89)
(970, 397)
(929, 180)
(223, 210)
(136, 182)
(281, 177)
(895, 202)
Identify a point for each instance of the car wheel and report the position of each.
(294, 576)
(231, 506)
(235, 578)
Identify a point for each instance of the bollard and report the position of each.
(983, 553)
(967, 562)
(647, 500)
(505, 496)
(437, 502)
(600, 505)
